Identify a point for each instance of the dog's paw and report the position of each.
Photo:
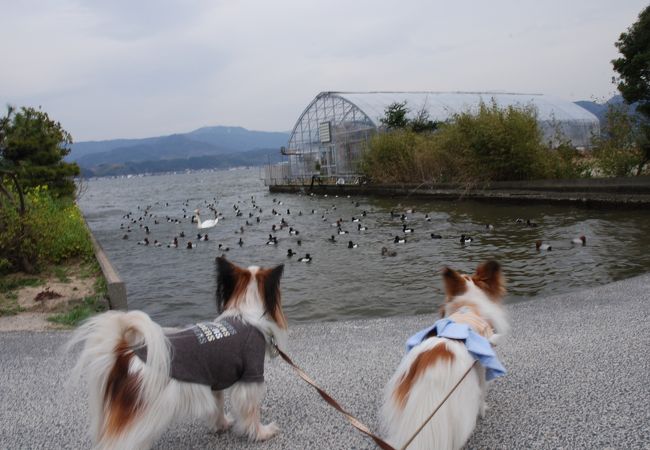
(223, 423)
(267, 431)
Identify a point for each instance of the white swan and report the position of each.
(206, 223)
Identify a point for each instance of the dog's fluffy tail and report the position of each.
(425, 376)
(106, 356)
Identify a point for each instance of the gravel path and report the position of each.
(579, 377)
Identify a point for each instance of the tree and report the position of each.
(395, 119)
(633, 68)
(617, 151)
(32, 147)
(422, 122)
(395, 116)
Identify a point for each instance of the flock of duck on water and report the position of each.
(254, 218)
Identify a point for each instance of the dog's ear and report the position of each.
(455, 284)
(489, 278)
(269, 283)
(226, 281)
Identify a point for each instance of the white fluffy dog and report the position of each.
(436, 363)
(141, 377)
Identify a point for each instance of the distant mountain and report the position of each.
(248, 158)
(600, 109)
(224, 147)
(167, 147)
(238, 138)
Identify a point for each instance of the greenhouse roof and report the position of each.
(443, 105)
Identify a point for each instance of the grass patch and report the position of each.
(11, 283)
(61, 274)
(81, 311)
(89, 269)
(9, 305)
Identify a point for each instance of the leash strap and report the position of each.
(353, 420)
(356, 423)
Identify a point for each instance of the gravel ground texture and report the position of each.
(579, 377)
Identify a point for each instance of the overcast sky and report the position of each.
(139, 68)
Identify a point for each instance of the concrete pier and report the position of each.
(579, 377)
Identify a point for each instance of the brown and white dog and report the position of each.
(141, 376)
(431, 369)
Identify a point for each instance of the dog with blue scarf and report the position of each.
(438, 356)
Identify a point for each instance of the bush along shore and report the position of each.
(497, 144)
(63, 283)
(47, 263)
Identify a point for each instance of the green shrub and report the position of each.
(51, 231)
(491, 145)
(392, 156)
(617, 151)
(505, 144)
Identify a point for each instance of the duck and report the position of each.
(293, 232)
(352, 244)
(355, 219)
(540, 246)
(489, 226)
(465, 239)
(519, 220)
(342, 231)
(386, 252)
(204, 237)
(223, 249)
(582, 240)
(206, 223)
(407, 230)
(361, 227)
(145, 241)
(173, 244)
(399, 240)
(290, 253)
(427, 217)
(306, 258)
(240, 242)
(126, 236)
(156, 243)
(435, 236)
(272, 240)
(182, 234)
(332, 239)
(530, 224)
(190, 245)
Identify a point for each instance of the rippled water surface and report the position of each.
(176, 286)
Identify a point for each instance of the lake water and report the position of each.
(176, 286)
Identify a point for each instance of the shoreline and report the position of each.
(576, 378)
(623, 193)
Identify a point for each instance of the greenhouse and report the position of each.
(330, 135)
